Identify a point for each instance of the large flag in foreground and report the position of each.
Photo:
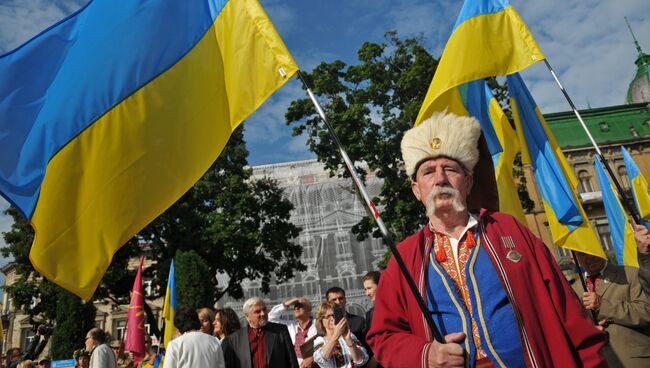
(639, 186)
(555, 179)
(135, 319)
(109, 116)
(169, 307)
(622, 233)
(501, 140)
(488, 39)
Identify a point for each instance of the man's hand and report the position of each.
(289, 302)
(307, 362)
(642, 236)
(449, 354)
(591, 300)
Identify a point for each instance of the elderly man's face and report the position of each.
(302, 309)
(442, 185)
(90, 343)
(592, 264)
(257, 315)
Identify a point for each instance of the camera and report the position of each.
(44, 329)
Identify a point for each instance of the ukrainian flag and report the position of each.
(109, 116)
(555, 179)
(169, 306)
(488, 39)
(639, 187)
(622, 233)
(502, 142)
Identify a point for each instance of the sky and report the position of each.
(586, 42)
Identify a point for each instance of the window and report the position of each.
(28, 336)
(622, 173)
(604, 127)
(342, 243)
(585, 181)
(605, 235)
(147, 286)
(118, 329)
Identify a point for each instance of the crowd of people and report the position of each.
(215, 338)
(493, 290)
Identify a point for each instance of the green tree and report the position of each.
(192, 290)
(74, 319)
(370, 106)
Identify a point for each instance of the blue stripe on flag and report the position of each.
(90, 69)
(551, 182)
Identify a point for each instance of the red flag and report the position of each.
(135, 320)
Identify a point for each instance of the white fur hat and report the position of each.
(442, 134)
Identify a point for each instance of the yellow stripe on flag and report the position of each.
(153, 147)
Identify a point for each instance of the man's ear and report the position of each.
(416, 190)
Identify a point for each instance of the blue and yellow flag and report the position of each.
(622, 233)
(109, 116)
(501, 140)
(555, 179)
(488, 39)
(639, 187)
(169, 306)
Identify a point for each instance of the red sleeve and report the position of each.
(391, 335)
(585, 338)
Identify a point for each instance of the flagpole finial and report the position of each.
(636, 43)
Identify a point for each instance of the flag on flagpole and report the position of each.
(621, 231)
(488, 39)
(135, 319)
(501, 140)
(555, 179)
(109, 116)
(169, 306)
(639, 187)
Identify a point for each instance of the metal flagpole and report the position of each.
(626, 202)
(371, 206)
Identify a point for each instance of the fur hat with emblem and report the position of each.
(442, 135)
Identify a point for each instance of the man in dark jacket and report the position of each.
(260, 344)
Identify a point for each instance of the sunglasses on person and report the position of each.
(298, 306)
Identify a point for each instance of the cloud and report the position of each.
(589, 46)
(21, 20)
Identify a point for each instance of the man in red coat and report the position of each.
(492, 288)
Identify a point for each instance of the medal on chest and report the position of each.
(512, 254)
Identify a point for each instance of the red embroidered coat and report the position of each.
(554, 329)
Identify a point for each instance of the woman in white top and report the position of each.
(337, 346)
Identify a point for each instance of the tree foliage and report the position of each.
(74, 319)
(192, 290)
(370, 106)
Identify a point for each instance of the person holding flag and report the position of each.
(491, 286)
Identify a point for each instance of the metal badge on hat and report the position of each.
(512, 255)
(436, 143)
